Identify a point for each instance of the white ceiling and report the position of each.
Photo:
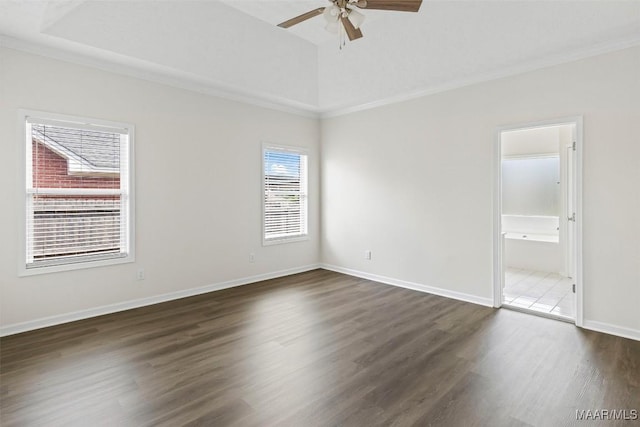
(233, 47)
(274, 12)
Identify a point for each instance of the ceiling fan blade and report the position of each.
(298, 19)
(400, 5)
(352, 32)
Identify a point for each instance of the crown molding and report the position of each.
(550, 61)
(145, 70)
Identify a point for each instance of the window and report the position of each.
(285, 194)
(78, 199)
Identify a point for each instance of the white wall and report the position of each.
(413, 181)
(198, 161)
(410, 181)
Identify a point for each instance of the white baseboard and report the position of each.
(593, 325)
(488, 302)
(610, 329)
(44, 322)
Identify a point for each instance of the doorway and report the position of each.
(537, 219)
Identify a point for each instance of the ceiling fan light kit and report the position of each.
(343, 19)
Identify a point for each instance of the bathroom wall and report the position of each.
(534, 187)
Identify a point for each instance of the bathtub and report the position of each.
(532, 242)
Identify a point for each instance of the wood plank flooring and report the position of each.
(315, 349)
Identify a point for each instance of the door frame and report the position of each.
(498, 249)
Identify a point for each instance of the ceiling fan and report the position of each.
(342, 17)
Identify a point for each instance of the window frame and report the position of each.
(26, 168)
(290, 150)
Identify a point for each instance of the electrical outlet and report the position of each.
(140, 274)
(367, 255)
(252, 257)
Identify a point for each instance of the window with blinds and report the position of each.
(285, 194)
(77, 193)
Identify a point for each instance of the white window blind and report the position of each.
(285, 194)
(77, 193)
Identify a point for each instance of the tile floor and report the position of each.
(540, 291)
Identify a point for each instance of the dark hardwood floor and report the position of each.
(315, 349)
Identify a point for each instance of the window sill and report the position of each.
(33, 271)
(278, 241)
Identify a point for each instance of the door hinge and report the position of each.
(573, 146)
(572, 217)
(573, 288)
